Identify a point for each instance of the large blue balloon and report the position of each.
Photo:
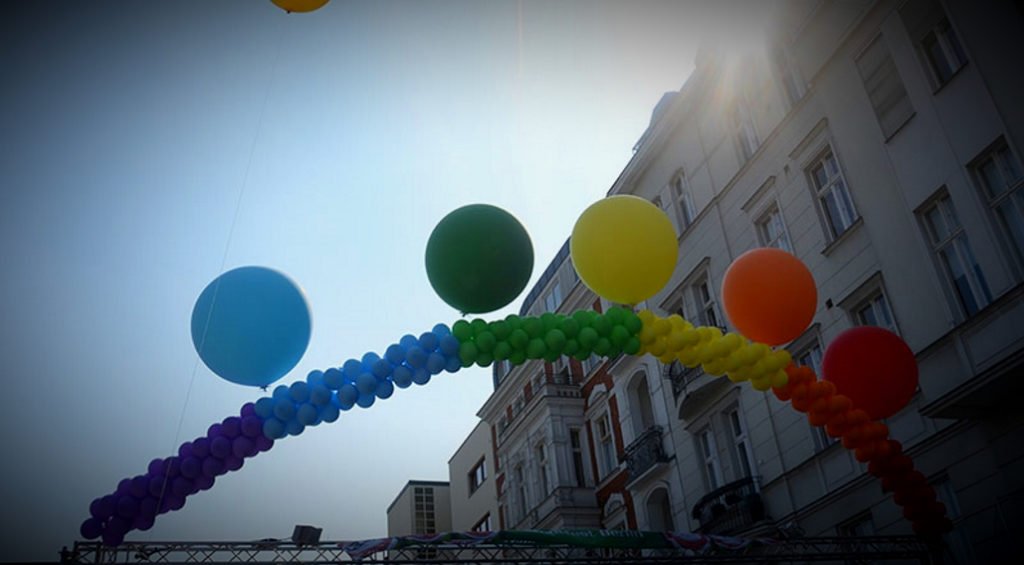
(251, 325)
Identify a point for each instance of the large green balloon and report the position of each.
(479, 258)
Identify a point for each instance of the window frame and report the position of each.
(578, 456)
(867, 293)
(740, 443)
(606, 451)
(744, 129)
(543, 478)
(945, 37)
(889, 126)
(711, 463)
(954, 240)
(764, 219)
(1011, 193)
(477, 475)
(833, 183)
(682, 200)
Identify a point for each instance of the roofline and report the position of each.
(416, 483)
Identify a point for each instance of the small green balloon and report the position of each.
(479, 326)
(518, 339)
(603, 326)
(571, 347)
(502, 351)
(552, 356)
(555, 340)
(614, 351)
(462, 330)
(615, 314)
(518, 357)
(582, 318)
(602, 347)
(581, 355)
(570, 327)
(514, 322)
(533, 326)
(588, 337)
(549, 320)
(500, 329)
(468, 352)
(536, 348)
(485, 342)
(620, 335)
(479, 258)
(484, 359)
(633, 323)
(632, 346)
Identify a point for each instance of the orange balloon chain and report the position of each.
(675, 339)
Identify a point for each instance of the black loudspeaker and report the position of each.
(306, 535)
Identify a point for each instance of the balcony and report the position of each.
(681, 376)
(563, 507)
(730, 509)
(645, 453)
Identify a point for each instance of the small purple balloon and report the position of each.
(123, 487)
(143, 523)
(231, 426)
(172, 465)
(204, 482)
(185, 450)
(241, 446)
(252, 426)
(212, 467)
(264, 443)
(113, 538)
(175, 502)
(232, 463)
(139, 486)
(248, 409)
(181, 487)
(191, 467)
(156, 467)
(157, 486)
(201, 448)
(215, 430)
(107, 507)
(127, 507)
(148, 506)
(91, 528)
(220, 447)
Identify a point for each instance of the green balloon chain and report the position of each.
(517, 339)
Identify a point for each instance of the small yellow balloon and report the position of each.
(624, 248)
(299, 5)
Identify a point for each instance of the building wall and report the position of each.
(402, 513)
(471, 502)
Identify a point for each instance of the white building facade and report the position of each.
(880, 142)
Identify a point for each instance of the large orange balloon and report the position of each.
(769, 295)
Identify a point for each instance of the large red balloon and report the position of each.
(769, 295)
(873, 367)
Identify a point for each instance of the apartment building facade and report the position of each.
(878, 141)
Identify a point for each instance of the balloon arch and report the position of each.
(251, 326)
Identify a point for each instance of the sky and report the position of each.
(147, 147)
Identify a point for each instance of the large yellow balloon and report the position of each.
(624, 248)
(299, 5)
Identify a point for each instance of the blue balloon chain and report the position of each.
(288, 411)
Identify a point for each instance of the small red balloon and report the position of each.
(874, 368)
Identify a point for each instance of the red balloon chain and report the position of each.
(869, 439)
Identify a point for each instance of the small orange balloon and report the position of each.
(769, 295)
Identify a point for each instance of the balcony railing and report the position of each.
(645, 452)
(681, 376)
(731, 508)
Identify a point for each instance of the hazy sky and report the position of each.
(126, 131)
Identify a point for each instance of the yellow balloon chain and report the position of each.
(739, 359)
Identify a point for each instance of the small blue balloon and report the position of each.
(306, 414)
(449, 346)
(299, 392)
(352, 368)
(429, 342)
(319, 395)
(348, 394)
(366, 400)
(416, 357)
(265, 407)
(441, 330)
(453, 364)
(273, 428)
(329, 413)
(381, 369)
(395, 354)
(344, 405)
(369, 358)
(384, 390)
(282, 392)
(284, 410)
(408, 340)
(402, 376)
(435, 363)
(251, 325)
(315, 377)
(420, 376)
(333, 379)
(292, 428)
(366, 383)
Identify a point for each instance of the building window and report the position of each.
(478, 475)
(682, 200)
(953, 252)
(832, 194)
(743, 130)
(771, 230)
(998, 172)
(704, 297)
(789, 77)
(744, 456)
(484, 525)
(943, 51)
(884, 87)
(423, 498)
(874, 311)
(579, 471)
(858, 526)
(553, 299)
(520, 490)
(542, 469)
(605, 445)
(712, 468)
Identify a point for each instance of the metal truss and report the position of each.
(802, 550)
